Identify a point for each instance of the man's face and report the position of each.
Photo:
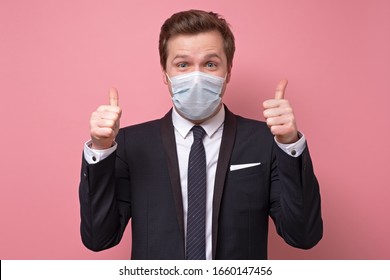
(200, 52)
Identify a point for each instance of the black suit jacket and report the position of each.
(141, 181)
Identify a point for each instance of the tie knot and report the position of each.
(198, 132)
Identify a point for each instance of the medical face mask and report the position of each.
(196, 95)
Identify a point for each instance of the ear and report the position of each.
(228, 75)
(164, 76)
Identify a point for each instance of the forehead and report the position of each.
(196, 44)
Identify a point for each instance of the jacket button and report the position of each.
(293, 152)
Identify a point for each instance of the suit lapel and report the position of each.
(169, 142)
(227, 143)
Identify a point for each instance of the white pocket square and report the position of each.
(242, 166)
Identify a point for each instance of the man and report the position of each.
(245, 170)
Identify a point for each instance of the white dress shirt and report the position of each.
(212, 143)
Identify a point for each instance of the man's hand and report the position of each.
(104, 123)
(279, 116)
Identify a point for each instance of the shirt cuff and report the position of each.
(93, 156)
(294, 149)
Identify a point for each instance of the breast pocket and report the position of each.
(239, 170)
(246, 190)
(248, 179)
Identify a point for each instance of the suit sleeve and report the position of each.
(105, 204)
(295, 199)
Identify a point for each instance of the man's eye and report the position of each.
(182, 65)
(210, 64)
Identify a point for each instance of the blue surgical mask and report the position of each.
(196, 95)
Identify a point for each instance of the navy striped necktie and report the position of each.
(196, 217)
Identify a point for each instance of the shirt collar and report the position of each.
(184, 126)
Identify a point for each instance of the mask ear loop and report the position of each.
(168, 77)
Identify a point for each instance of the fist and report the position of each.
(104, 123)
(279, 116)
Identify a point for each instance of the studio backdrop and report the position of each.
(59, 58)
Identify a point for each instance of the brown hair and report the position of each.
(194, 22)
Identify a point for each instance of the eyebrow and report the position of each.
(207, 56)
(213, 55)
(180, 56)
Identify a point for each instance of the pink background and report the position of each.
(58, 59)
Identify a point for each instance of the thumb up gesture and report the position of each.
(279, 116)
(104, 122)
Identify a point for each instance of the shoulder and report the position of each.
(139, 137)
(250, 122)
(142, 130)
(248, 130)
(147, 131)
(244, 123)
(142, 126)
(149, 126)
